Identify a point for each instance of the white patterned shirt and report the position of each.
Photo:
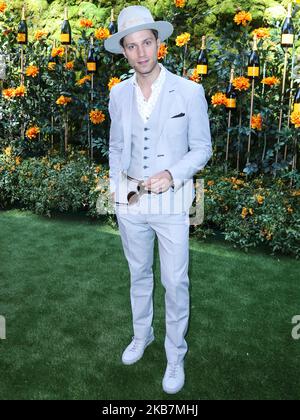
(146, 107)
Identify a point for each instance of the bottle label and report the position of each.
(65, 38)
(231, 103)
(287, 39)
(253, 71)
(21, 38)
(91, 66)
(202, 69)
(297, 107)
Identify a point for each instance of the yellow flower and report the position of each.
(69, 65)
(81, 82)
(40, 34)
(32, 132)
(210, 183)
(102, 33)
(113, 81)
(51, 66)
(290, 209)
(261, 33)
(179, 3)
(32, 71)
(243, 18)
(244, 212)
(63, 100)
(8, 151)
(183, 39)
(256, 122)
(295, 118)
(18, 160)
(98, 169)
(3, 7)
(270, 81)
(219, 99)
(8, 93)
(195, 76)
(86, 23)
(84, 179)
(162, 52)
(241, 83)
(20, 91)
(57, 167)
(58, 52)
(251, 211)
(296, 193)
(260, 199)
(97, 116)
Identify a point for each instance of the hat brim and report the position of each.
(112, 44)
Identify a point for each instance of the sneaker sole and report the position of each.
(132, 362)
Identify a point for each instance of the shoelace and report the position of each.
(173, 370)
(136, 343)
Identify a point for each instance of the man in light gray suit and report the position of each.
(159, 138)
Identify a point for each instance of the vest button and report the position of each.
(146, 129)
(146, 138)
(146, 157)
(146, 148)
(146, 167)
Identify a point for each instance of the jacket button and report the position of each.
(146, 148)
(146, 138)
(146, 157)
(146, 167)
(146, 129)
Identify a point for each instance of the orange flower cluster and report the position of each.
(70, 65)
(183, 39)
(97, 116)
(261, 33)
(260, 199)
(241, 83)
(102, 33)
(256, 122)
(219, 99)
(195, 76)
(40, 35)
(180, 3)
(267, 234)
(3, 7)
(113, 81)
(247, 211)
(86, 23)
(63, 100)
(14, 93)
(295, 118)
(270, 81)
(82, 81)
(58, 52)
(162, 52)
(243, 18)
(32, 132)
(32, 71)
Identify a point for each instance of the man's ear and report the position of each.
(158, 43)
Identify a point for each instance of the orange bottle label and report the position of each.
(253, 71)
(91, 66)
(202, 69)
(21, 38)
(65, 38)
(287, 39)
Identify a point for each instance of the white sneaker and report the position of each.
(135, 350)
(174, 378)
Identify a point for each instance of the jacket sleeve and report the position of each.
(116, 142)
(199, 140)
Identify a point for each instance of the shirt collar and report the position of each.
(156, 82)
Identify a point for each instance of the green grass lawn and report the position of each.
(65, 295)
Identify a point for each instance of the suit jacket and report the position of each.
(184, 141)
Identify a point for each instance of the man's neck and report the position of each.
(145, 81)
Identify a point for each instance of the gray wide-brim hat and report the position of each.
(133, 19)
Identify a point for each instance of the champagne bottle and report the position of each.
(297, 100)
(22, 37)
(91, 61)
(66, 34)
(231, 93)
(254, 62)
(112, 26)
(288, 32)
(202, 64)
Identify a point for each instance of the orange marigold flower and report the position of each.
(51, 66)
(69, 65)
(183, 39)
(270, 81)
(162, 52)
(180, 3)
(243, 18)
(82, 81)
(195, 76)
(241, 83)
(3, 7)
(262, 33)
(63, 100)
(86, 23)
(20, 91)
(244, 212)
(40, 35)
(260, 199)
(256, 122)
(32, 71)
(58, 52)
(102, 33)
(8, 151)
(32, 132)
(219, 99)
(97, 116)
(18, 160)
(295, 118)
(8, 93)
(113, 81)
(84, 178)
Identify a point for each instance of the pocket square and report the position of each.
(179, 115)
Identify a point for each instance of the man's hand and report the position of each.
(159, 183)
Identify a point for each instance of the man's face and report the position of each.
(140, 49)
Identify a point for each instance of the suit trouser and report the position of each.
(138, 235)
